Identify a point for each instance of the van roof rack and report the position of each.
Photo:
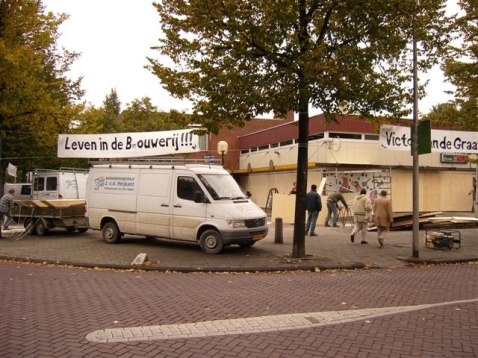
(61, 170)
(158, 160)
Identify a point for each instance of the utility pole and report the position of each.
(416, 173)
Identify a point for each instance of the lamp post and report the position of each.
(222, 149)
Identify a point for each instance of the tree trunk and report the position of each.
(298, 250)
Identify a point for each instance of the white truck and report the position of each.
(65, 183)
(22, 190)
(189, 202)
(57, 200)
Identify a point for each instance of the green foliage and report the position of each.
(112, 111)
(35, 94)
(143, 116)
(237, 60)
(461, 69)
(139, 116)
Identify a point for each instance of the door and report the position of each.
(186, 214)
(72, 186)
(45, 187)
(153, 205)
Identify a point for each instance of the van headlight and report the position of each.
(236, 223)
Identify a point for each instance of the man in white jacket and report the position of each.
(362, 210)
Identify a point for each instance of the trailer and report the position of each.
(39, 216)
(57, 200)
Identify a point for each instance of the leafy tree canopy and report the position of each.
(143, 116)
(139, 116)
(461, 69)
(237, 60)
(35, 94)
(112, 111)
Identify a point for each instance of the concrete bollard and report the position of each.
(279, 235)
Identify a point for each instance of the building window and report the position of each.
(316, 136)
(286, 142)
(203, 140)
(371, 137)
(274, 145)
(345, 136)
(264, 147)
(244, 151)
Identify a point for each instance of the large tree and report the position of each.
(461, 69)
(35, 93)
(238, 59)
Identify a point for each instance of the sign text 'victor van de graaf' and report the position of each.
(442, 141)
(127, 145)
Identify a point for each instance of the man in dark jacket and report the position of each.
(314, 205)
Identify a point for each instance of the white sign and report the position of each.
(127, 145)
(398, 138)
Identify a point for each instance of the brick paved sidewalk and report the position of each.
(331, 249)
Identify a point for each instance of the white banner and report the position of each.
(12, 170)
(127, 145)
(442, 141)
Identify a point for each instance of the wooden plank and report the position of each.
(455, 218)
(50, 203)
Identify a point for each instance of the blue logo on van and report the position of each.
(99, 182)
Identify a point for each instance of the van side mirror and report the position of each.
(199, 197)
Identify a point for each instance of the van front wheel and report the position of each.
(211, 242)
(111, 234)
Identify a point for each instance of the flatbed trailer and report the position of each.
(39, 216)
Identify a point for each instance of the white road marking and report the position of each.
(250, 325)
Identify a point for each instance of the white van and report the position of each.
(65, 183)
(22, 190)
(189, 202)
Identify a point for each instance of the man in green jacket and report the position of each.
(333, 206)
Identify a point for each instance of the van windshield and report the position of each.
(222, 186)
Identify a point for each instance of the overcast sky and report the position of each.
(114, 38)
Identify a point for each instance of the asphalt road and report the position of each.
(60, 311)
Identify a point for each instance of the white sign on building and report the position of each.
(442, 141)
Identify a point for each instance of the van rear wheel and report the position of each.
(211, 242)
(111, 234)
